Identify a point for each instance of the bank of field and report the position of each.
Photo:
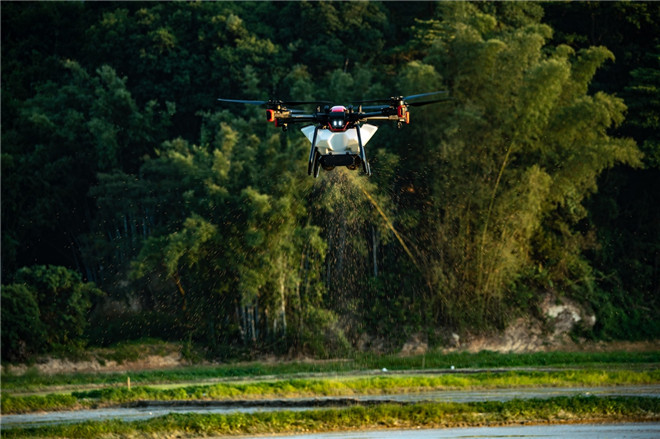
(429, 415)
(314, 387)
(33, 381)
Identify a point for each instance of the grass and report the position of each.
(306, 387)
(554, 410)
(27, 404)
(489, 359)
(34, 381)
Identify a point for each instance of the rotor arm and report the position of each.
(296, 119)
(378, 115)
(365, 117)
(282, 120)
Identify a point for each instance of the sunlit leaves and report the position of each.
(524, 142)
(116, 149)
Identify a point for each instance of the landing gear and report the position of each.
(363, 155)
(313, 164)
(317, 164)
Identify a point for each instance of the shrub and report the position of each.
(46, 307)
(23, 332)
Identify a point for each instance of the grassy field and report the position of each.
(555, 410)
(33, 381)
(329, 386)
(361, 375)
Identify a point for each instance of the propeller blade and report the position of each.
(241, 101)
(419, 104)
(400, 98)
(375, 107)
(305, 102)
(276, 104)
(273, 102)
(424, 94)
(372, 101)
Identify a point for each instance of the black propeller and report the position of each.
(375, 107)
(419, 104)
(273, 102)
(306, 102)
(424, 94)
(241, 101)
(402, 98)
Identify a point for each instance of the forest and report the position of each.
(136, 205)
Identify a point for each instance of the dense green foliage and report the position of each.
(561, 409)
(200, 224)
(626, 211)
(46, 307)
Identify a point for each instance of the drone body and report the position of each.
(338, 134)
(337, 148)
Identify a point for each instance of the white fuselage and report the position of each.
(343, 142)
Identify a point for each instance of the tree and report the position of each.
(234, 251)
(119, 163)
(69, 131)
(520, 150)
(56, 306)
(624, 212)
(23, 332)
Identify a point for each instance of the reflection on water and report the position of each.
(578, 431)
(519, 393)
(125, 414)
(140, 413)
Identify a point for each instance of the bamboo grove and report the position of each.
(136, 205)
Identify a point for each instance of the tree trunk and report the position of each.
(374, 236)
(282, 298)
(240, 315)
(249, 312)
(177, 281)
(283, 312)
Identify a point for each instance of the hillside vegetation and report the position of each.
(134, 204)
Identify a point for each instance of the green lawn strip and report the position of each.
(371, 385)
(33, 380)
(490, 359)
(53, 402)
(427, 415)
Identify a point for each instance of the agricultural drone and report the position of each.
(338, 133)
